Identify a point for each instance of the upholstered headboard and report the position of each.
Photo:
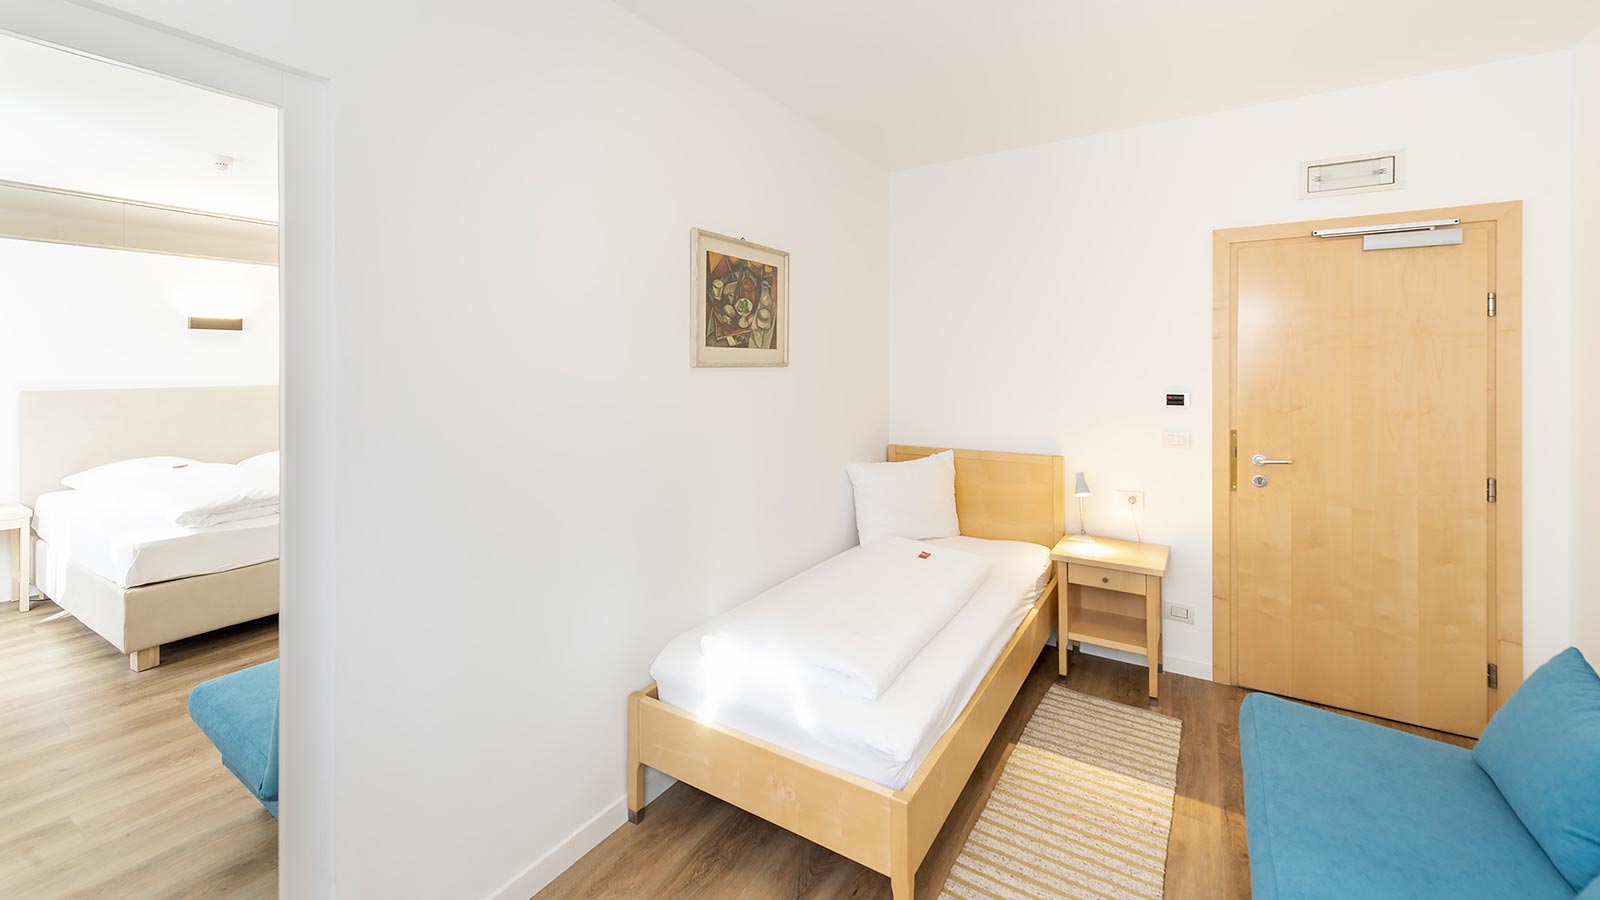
(1004, 496)
(62, 432)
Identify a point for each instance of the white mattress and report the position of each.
(130, 547)
(885, 739)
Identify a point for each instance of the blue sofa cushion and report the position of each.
(1543, 751)
(1337, 807)
(239, 713)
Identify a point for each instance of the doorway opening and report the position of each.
(139, 250)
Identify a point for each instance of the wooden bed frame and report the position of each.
(1001, 496)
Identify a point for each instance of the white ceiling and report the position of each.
(77, 123)
(916, 81)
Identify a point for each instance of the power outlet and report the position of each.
(1180, 613)
(1134, 499)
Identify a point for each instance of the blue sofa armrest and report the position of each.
(238, 712)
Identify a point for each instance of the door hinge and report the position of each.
(1491, 304)
(1233, 460)
(1494, 677)
(1493, 492)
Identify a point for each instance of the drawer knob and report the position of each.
(1105, 579)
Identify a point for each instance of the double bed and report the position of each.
(870, 777)
(136, 578)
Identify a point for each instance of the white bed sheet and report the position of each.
(130, 547)
(885, 739)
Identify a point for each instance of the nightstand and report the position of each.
(1112, 598)
(18, 519)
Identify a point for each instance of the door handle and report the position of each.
(1260, 459)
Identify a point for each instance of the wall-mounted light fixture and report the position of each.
(207, 323)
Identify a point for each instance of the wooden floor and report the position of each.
(691, 845)
(107, 789)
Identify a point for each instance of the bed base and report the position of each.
(885, 830)
(138, 620)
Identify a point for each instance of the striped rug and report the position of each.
(1082, 809)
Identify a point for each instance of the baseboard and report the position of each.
(559, 858)
(1177, 665)
(1174, 664)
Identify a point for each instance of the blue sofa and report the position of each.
(239, 713)
(1336, 807)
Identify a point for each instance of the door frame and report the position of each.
(308, 365)
(1504, 638)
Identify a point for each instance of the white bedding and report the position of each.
(130, 546)
(854, 620)
(884, 739)
(186, 492)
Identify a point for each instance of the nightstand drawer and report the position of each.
(1109, 579)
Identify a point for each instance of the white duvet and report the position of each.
(194, 494)
(128, 546)
(884, 739)
(856, 619)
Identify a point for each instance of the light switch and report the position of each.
(1175, 440)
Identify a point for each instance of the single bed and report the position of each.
(138, 581)
(884, 739)
(872, 778)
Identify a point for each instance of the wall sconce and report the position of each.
(206, 323)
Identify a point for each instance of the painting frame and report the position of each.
(763, 302)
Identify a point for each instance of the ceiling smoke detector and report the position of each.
(222, 163)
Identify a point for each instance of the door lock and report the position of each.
(1259, 481)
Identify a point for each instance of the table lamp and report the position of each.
(1082, 492)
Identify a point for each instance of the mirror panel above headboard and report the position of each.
(62, 432)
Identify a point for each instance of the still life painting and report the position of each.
(741, 302)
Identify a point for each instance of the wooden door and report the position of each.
(1363, 569)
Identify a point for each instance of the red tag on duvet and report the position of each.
(924, 555)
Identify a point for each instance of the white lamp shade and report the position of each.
(1082, 488)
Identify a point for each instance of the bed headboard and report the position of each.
(61, 432)
(1004, 496)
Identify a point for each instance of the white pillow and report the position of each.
(268, 460)
(112, 476)
(200, 494)
(914, 499)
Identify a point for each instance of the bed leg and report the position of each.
(635, 770)
(902, 885)
(148, 658)
(902, 872)
(20, 548)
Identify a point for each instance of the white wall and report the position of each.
(1586, 362)
(1045, 299)
(517, 409)
(83, 317)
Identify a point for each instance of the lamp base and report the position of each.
(1082, 538)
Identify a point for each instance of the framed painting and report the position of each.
(740, 302)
